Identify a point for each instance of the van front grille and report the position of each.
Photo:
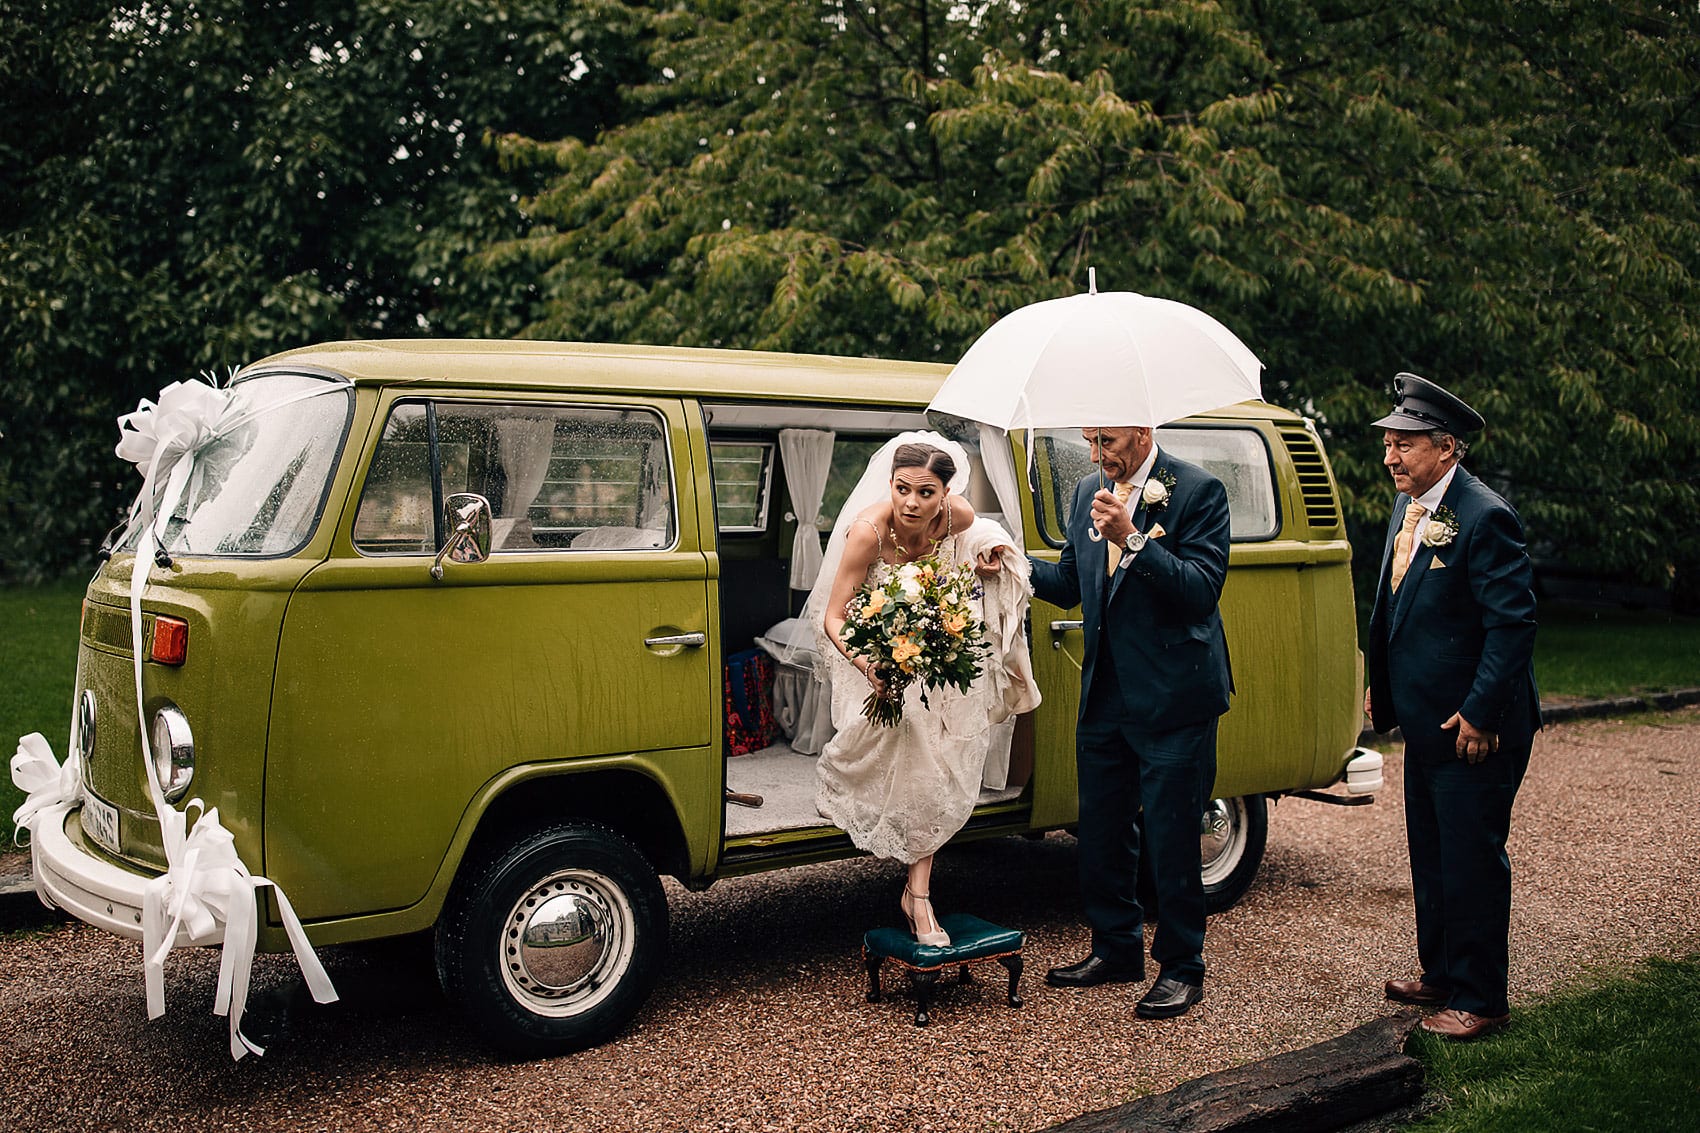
(108, 627)
(1322, 509)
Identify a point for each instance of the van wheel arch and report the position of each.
(625, 802)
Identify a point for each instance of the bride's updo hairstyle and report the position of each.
(925, 457)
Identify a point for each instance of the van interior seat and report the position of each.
(615, 538)
(512, 533)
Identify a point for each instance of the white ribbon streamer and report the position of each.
(205, 884)
(42, 780)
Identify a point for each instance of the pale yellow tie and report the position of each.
(1114, 550)
(1402, 542)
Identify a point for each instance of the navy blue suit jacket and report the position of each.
(1459, 636)
(1159, 613)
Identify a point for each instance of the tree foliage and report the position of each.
(1500, 197)
(185, 187)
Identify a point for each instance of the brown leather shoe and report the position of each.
(1417, 992)
(1461, 1025)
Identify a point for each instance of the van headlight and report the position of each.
(173, 752)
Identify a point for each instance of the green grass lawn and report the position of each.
(38, 671)
(1618, 1055)
(40, 667)
(1594, 651)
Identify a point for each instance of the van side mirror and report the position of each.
(466, 515)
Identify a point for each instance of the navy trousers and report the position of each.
(1457, 819)
(1126, 763)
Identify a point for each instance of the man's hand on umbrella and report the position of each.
(1110, 517)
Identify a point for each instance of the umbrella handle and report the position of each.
(1092, 531)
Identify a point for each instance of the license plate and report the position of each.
(100, 821)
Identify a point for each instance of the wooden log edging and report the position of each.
(1328, 1086)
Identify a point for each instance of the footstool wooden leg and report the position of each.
(967, 977)
(874, 963)
(1014, 964)
(923, 982)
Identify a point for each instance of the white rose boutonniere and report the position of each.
(1442, 528)
(1155, 494)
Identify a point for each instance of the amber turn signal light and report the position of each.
(170, 641)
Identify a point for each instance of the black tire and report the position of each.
(554, 944)
(1232, 834)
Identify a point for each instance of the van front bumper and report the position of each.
(91, 889)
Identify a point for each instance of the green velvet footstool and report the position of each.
(971, 939)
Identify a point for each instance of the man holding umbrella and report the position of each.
(1145, 563)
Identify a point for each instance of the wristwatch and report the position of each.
(1135, 543)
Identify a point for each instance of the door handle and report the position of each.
(676, 639)
(1060, 628)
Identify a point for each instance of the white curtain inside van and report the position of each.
(808, 459)
(523, 445)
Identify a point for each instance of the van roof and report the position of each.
(734, 375)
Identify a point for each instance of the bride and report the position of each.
(903, 791)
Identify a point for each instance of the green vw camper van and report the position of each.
(450, 631)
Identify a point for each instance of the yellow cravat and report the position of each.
(1114, 550)
(1402, 542)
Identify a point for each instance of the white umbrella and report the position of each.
(1103, 358)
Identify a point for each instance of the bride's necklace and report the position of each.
(927, 545)
(904, 552)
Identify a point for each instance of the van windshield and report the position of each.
(260, 488)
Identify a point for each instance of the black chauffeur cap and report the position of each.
(1421, 406)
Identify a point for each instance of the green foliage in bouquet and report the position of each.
(917, 623)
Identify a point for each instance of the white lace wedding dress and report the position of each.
(903, 791)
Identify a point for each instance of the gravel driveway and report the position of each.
(761, 1024)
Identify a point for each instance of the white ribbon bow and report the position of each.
(161, 439)
(205, 886)
(42, 780)
(186, 416)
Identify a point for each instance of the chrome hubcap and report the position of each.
(1221, 838)
(566, 942)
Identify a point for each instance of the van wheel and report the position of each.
(1231, 836)
(553, 945)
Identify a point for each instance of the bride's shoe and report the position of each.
(911, 904)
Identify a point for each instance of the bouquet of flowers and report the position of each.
(916, 624)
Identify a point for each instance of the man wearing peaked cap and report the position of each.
(1449, 659)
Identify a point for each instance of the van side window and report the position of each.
(395, 505)
(743, 484)
(577, 478)
(1237, 457)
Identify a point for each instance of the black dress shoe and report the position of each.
(1168, 998)
(1095, 970)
